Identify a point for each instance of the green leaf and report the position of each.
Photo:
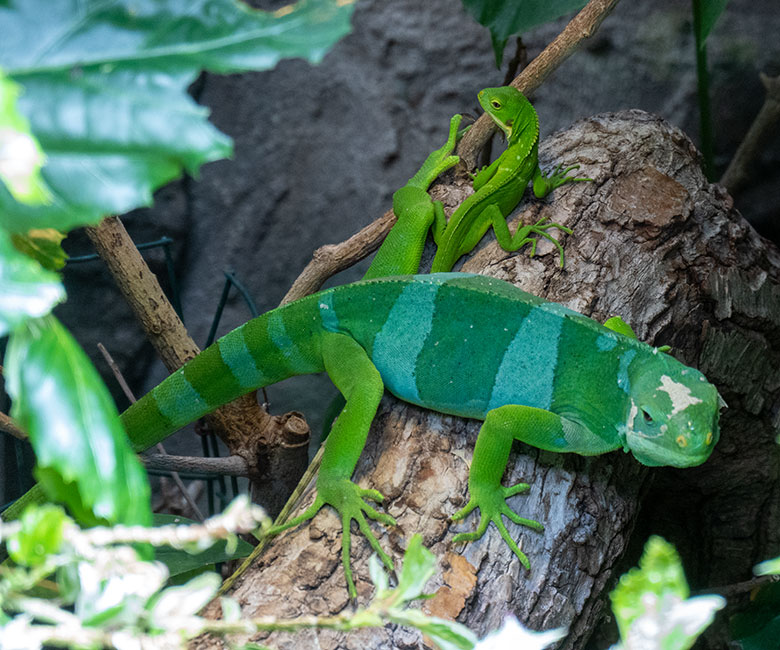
(651, 603)
(378, 576)
(767, 567)
(21, 157)
(26, 289)
(83, 456)
(169, 607)
(44, 246)
(105, 90)
(764, 639)
(180, 562)
(448, 635)
(506, 17)
(708, 13)
(758, 626)
(419, 564)
(40, 535)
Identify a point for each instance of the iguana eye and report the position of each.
(647, 416)
(495, 104)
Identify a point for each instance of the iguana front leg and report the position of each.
(543, 184)
(358, 380)
(502, 425)
(522, 236)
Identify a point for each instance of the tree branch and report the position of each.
(247, 430)
(8, 424)
(225, 465)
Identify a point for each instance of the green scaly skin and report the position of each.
(535, 371)
(499, 187)
(522, 379)
(519, 382)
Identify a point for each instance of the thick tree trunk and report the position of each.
(656, 244)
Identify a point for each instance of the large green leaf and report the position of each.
(83, 456)
(506, 17)
(21, 157)
(105, 89)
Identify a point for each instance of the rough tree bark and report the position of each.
(657, 244)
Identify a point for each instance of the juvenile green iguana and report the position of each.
(456, 343)
(499, 187)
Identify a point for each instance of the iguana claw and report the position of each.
(491, 501)
(349, 500)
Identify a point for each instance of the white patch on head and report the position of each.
(633, 412)
(679, 393)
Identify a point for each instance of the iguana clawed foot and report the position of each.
(557, 177)
(540, 228)
(491, 501)
(440, 160)
(348, 499)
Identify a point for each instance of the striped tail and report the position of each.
(274, 346)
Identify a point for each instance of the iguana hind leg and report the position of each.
(353, 373)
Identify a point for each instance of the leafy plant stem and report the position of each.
(706, 137)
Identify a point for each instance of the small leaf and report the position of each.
(378, 576)
(448, 635)
(506, 17)
(419, 564)
(83, 456)
(176, 606)
(116, 588)
(26, 289)
(180, 562)
(231, 610)
(40, 536)
(767, 567)
(43, 245)
(651, 603)
(21, 157)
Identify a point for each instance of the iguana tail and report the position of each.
(276, 345)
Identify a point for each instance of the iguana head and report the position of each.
(673, 412)
(510, 110)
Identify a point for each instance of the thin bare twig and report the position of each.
(225, 465)
(729, 591)
(332, 258)
(8, 425)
